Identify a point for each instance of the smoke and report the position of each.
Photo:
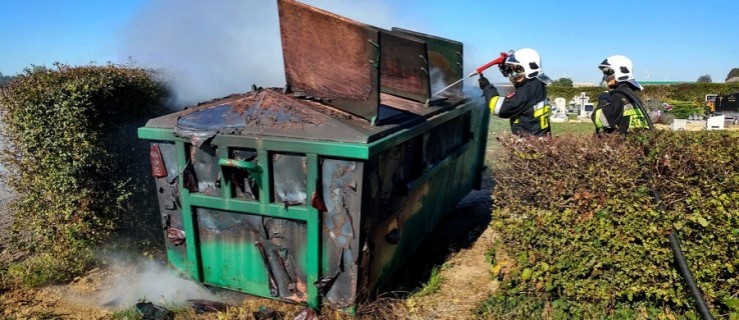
(133, 281)
(209, 50)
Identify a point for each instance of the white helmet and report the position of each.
(525, 61)
(621, 68)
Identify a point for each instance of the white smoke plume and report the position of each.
(133, 281)
(211, 49)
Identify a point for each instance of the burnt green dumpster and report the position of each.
(316, 192)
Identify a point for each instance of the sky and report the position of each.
(213, 48)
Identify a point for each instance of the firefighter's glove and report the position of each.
(484, 82)
(489, 92)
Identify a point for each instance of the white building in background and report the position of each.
(583, 84)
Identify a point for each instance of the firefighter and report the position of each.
(619, 109)
(527, 106)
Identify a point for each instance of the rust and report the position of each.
(175, 236)
(271, 109)
(188, 175)
(403, 66)
(316, 201)
(445, 60)
(157, 163)
(330, 57)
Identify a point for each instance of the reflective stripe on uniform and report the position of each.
(495, 104)
(542, 111)
(600, 119)
(636, 118)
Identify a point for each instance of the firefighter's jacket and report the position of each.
(618, 111)
(527, 107)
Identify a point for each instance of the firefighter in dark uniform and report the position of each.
(619, 109)
(527, 106)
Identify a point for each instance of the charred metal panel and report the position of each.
(388, 204)
(268, 112)
(404, 68)
(341, 185)
(330, 57)
(445, 58)
(168, 194)
(243, 185)
(204, 164)
(251, 253)
(398, 165)
(290, 176)
(443, 140)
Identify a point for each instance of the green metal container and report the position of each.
(311, 194)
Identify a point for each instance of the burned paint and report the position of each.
(341, 181)
(265, 259)
(168, 194)
(445, 60)
(330, 57)
(158, 170)
(272, 250)
(404, 66)
(206, 170)
(175, 236)
(290, 179)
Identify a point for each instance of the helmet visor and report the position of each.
(608, 73)
(511, 69)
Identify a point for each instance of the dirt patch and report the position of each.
(466, 282)
(70, 301)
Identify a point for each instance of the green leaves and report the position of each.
(582, 223)
(64, 158)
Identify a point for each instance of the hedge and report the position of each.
(69, 138)
(693, 92)
(580, 235)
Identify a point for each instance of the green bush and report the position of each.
(66, 159)
(684, 109)
(693, 92)
(581, 236)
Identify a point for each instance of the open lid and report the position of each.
(330, 57)
(404, 66)
(445, 59)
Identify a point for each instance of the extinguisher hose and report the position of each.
(700, 302)
(682, 264)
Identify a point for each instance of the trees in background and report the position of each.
(5, 79)
(562, 82)
(733, 73)
(704, 79)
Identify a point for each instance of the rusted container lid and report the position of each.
(330, 57)
(445, 59)
(404, 66)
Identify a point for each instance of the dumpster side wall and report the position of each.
(411, 186)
